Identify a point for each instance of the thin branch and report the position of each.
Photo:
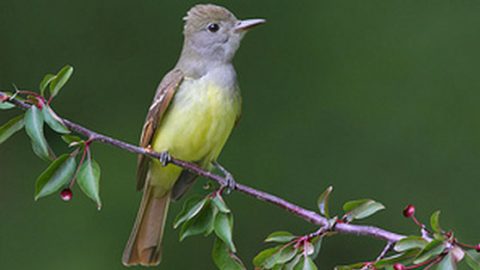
(382, 255)
(384, 252)
(303, 213)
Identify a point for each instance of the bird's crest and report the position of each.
(200, 15)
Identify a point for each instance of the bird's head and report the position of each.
(213, 33)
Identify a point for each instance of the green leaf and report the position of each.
(281, 256)
(53, 121)
(440, 236)
(34, 129)
(411, 242)
(447, 263)
(224, 258)
(72, 140)
(220, 204)
(271, 261)
(89, 180)
(199, 224)
(432, 249)
(291, 265)
(400, 257)
(224, 228)
(211, 224)
(60, 80)
(286, 254)
(57, 175)
(45, 82)
(361, 209)
(309, 264)
(278, 267)
(350, 266)
(280, 237)
(317, 243)
(5, 105)
(306, 264)
(322, 202)
(11, 127)
(261, 257)
(349, 206)
(190, 209)
(473, 259)
(435, 222)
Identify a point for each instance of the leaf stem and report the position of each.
(86, 150)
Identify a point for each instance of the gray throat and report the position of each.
(223, 73)
(195, 63)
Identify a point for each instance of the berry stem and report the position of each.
(86, 150)
(419, 224)
(49, 100)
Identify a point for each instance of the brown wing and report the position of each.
(163, 96)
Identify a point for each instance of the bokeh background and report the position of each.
(378, 98)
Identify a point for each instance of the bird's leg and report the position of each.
(165, 158)
(231, 183)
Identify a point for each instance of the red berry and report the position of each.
(477, 247)
(66, 194)
(409, 211)
(399, 266)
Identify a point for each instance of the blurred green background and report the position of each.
(378, 98)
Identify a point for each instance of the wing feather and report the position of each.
(165, 92)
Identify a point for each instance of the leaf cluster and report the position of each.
(207, 215)
(441, 251)
(299, 252)
(63, 170)
(289, 253)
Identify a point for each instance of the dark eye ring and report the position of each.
(213, 27)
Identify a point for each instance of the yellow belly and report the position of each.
(195, 128)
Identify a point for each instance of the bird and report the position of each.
(195, 108)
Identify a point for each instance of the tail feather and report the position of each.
(144, 246)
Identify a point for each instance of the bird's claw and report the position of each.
(230, 183)
(165, 158)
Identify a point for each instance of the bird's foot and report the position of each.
(165, 158)
(230, 183)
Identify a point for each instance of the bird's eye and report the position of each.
(213, 27)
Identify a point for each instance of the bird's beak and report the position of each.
(245, 25)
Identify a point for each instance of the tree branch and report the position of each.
(307, 215)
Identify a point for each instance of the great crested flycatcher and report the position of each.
(193, 113)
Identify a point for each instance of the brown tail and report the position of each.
(144, 246)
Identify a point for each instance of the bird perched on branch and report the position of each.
(191, 117)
